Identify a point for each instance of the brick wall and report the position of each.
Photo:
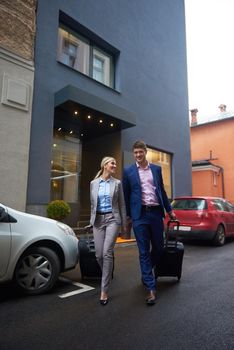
(17, 26)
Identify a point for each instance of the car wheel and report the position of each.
(219, 239)
(37, 270)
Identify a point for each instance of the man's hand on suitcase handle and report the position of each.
(172, 216)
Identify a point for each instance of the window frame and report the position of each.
(93, 48)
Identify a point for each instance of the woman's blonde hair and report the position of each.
(104, 161)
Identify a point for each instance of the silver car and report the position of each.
(34, 250)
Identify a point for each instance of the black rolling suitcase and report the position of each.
(170, 263)
(89, 266)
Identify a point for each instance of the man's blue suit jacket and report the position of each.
(132, 191)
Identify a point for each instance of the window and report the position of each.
(98, 68)
(189, 204)
(102, 65)
(79, 53)
(220, 205)
(215, 178)
(73, 51)
(70, 52)
(230, 207)
(164, 160)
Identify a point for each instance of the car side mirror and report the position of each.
(5, 217)
(3, 214)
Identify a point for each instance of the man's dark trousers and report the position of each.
(148, 231)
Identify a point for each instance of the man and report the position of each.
(146, 200)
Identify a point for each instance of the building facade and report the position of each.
(17, 27)
(212, 154)
(106, 74)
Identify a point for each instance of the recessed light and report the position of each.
(100, 121)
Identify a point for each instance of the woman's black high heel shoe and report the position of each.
(103, 302)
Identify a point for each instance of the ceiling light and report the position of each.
(111, 124)
(89, 116)
(76, 112)
(100, 121)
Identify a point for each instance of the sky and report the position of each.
(210, 55)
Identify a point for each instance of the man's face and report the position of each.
(139, 155)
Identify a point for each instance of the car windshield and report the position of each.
(189, 204)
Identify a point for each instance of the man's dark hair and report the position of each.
(139, 144)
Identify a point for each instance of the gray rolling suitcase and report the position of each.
(170, 263)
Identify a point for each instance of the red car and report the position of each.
(209, 218)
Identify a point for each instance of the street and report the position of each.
(195, 313)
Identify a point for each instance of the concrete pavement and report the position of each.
(196, 313)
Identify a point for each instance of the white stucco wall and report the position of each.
(16, 90)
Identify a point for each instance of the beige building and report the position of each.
(17, 27)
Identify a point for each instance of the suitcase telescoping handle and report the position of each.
(88, 238)
(168, 229)
(89, 230)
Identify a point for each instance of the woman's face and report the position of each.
(110, 167)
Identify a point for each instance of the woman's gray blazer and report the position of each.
(117, 200)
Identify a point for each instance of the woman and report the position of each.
(107, 214)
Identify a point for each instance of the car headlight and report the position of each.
(65, 228)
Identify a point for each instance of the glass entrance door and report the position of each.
(65, 167)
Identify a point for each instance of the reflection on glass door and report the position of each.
(65, 167)
(164, 160)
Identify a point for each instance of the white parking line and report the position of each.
(83, 288)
